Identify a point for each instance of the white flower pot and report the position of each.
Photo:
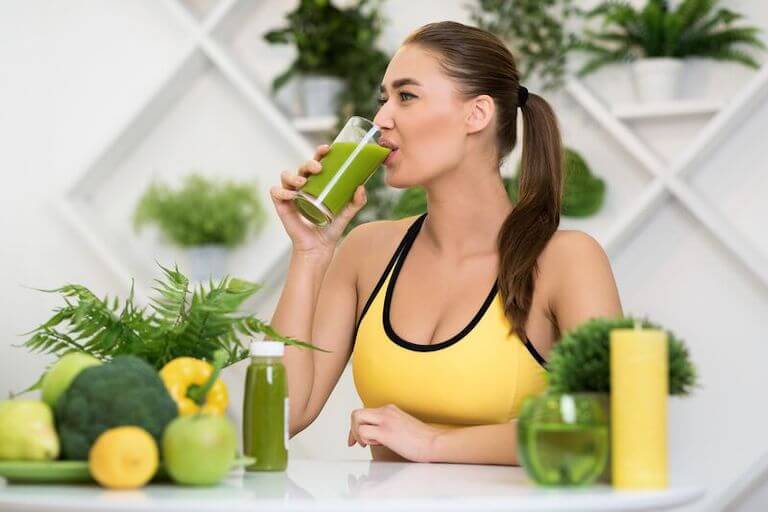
(288, 99)
(318, 95)
(657, 79)
(207, 262)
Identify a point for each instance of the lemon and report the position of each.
(123, 458)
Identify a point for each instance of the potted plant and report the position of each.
(579, 362)
(337, 61)
(204, 216)
(579, 381)
(656, 39)
(537, 32)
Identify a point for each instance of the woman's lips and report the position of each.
(390, 157)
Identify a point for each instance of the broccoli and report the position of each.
(124, 391)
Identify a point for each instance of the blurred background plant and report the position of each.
(338, 42)
(202, 211)
(583, 192)
(695, 28)
(412, 201)
(537, 32)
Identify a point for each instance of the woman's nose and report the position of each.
(383, 119)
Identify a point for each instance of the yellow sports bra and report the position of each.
(480, 376)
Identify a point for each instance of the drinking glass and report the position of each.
(353, 157)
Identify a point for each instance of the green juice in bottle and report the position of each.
(265, 408)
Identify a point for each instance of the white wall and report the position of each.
(74, 73)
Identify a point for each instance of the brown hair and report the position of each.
(481, 64)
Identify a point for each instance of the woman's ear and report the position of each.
(479, 113)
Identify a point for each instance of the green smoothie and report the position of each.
(334, 186)
(265, 414)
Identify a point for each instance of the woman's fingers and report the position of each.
(336, 229)
(314, 166)
(281, 194)
(310, 167)
(369, 434)
(321, 150)
(292, 181)
(363, 435)
(355, 437)
(361, 421)
(349, 211)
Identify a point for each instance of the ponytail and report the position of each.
(536, 216)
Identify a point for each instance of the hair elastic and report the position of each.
(522, 96)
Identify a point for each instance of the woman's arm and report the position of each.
(293, 317)
(319, 304)
(414, 440)
(314, 270)
(481, 444)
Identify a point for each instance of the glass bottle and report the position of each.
(265, 408)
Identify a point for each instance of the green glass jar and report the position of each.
(265, 408)
(563, 439)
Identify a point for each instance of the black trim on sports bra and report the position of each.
(535, 353)
(384, 275)
(396, 259)
(420, 347)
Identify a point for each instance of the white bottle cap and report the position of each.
(267, 348)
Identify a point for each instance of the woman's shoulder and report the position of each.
(570, 248)
(375, 237)
(569, 257)
(368, 246)
(572, 239)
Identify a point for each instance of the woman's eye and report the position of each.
(404, 96)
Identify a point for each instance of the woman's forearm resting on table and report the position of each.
(481, 444)
(417, 441)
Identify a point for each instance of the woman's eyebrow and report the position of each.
(399, 83)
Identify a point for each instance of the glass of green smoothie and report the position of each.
(353, 157)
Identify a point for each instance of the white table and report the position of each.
(338, 486)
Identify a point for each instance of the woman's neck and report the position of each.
(466, 208)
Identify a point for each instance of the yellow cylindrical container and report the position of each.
(639, 391)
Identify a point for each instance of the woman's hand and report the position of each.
(397, 430)
(307, 238)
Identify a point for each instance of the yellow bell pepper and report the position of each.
(180, 374)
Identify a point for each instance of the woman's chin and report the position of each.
(394, 179)
(391, 178)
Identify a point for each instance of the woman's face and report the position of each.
(422, 115)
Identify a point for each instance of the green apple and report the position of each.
(199, 449)
(26, 431)
(63, 372)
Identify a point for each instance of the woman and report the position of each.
(442, 364)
